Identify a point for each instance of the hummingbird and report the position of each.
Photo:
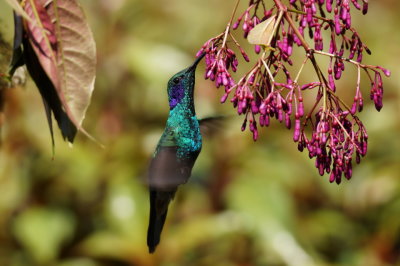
(176, 152)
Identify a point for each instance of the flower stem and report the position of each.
(234, 12)
(301, 70)
(304, 13)
(228, 26)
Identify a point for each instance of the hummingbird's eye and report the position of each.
(176, 80)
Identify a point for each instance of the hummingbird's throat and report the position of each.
(176, 95)
(180, 94)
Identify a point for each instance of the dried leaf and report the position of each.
(64, 45)
(76, 55)
(17, 58)
(48, 111)
(262, 33)
(39, 55)
(49, 95)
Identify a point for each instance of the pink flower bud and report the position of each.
(244, 55)
(288, 122)
(385, 71)
(244, 125)
(224, 97)
(300, 108)
(365, 8)
(255, 134)
(354, 107)
(236, 25)
(332, 177)
(296, 134)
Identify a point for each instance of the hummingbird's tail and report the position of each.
(159, 202)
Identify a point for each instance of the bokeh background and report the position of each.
(247, 203)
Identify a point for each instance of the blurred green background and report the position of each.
(246, 204)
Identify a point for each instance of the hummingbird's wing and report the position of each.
(166, 173)
(209, 126)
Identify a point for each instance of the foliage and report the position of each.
(54, 41)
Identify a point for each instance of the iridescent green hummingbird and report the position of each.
(176, 152)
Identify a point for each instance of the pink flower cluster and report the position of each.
(336, 136)
(219, 60)
(377, 91)
(268, 91)
(259, 96)
(251, 20)
(340, 8)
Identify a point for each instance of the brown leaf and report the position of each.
(40, 37)
(64, 45)
(17, 58)
(49, 95)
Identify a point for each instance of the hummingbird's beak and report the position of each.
(193, 67)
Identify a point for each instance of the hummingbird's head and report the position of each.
(181, 85)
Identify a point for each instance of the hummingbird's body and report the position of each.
(176, 152)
